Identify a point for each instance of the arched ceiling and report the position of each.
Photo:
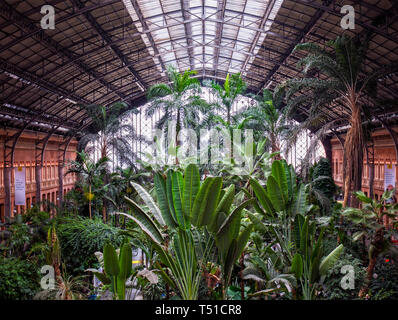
(103, 51)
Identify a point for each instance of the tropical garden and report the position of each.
(165, 226)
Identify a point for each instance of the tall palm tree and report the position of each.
(227, 94)
(178, 99)
(110, 132)
(90, 173)
(268, 119)
(347, 82)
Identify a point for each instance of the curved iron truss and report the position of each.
(103, 51)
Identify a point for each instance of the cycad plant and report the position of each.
(347, 83)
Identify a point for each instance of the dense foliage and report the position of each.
(161, 230)
(80, 238)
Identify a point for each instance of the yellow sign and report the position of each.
(20, 169)
(389, 166)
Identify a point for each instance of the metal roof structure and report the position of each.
(104, 51)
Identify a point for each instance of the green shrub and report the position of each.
(80, 238)
(332, 288)
(385, 285)
(19, 279)
(327, 186)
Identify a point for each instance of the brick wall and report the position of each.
(384, 153)
(25, 156)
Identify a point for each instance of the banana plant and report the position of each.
(309, 264)
(230, 242)
(192, 216)
(117, 269)
(278, 203)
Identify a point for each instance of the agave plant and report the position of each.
(189, 219)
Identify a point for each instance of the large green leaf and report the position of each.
(229, 261)
(226, 201)
(161, 194)
(242, 240)
(125, 261)
(304, 237)
(111, 262)
(329, 261)
(169, 193)
(361, 196)
(297, 266)
(278, 172)
(300, 202)
(275, 194)
(149, 202)
(211, 201)
(177, 188)
(191, 188)
(257, 222)
(206, 202)
(297, 226)
(198, 206)
(231, 224)
(144, 221)
(291, 181)
(262, 197)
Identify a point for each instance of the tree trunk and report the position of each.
(275, 148)
(103, 212)
(353, 158)
(178, 129)
(89, 201)
(377, 243)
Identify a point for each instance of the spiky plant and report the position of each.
(347, 82)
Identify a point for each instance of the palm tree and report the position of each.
(178, 99)
(227, 94)
(90, 173)
(110, 132)
(268, 118)
(347, 82)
